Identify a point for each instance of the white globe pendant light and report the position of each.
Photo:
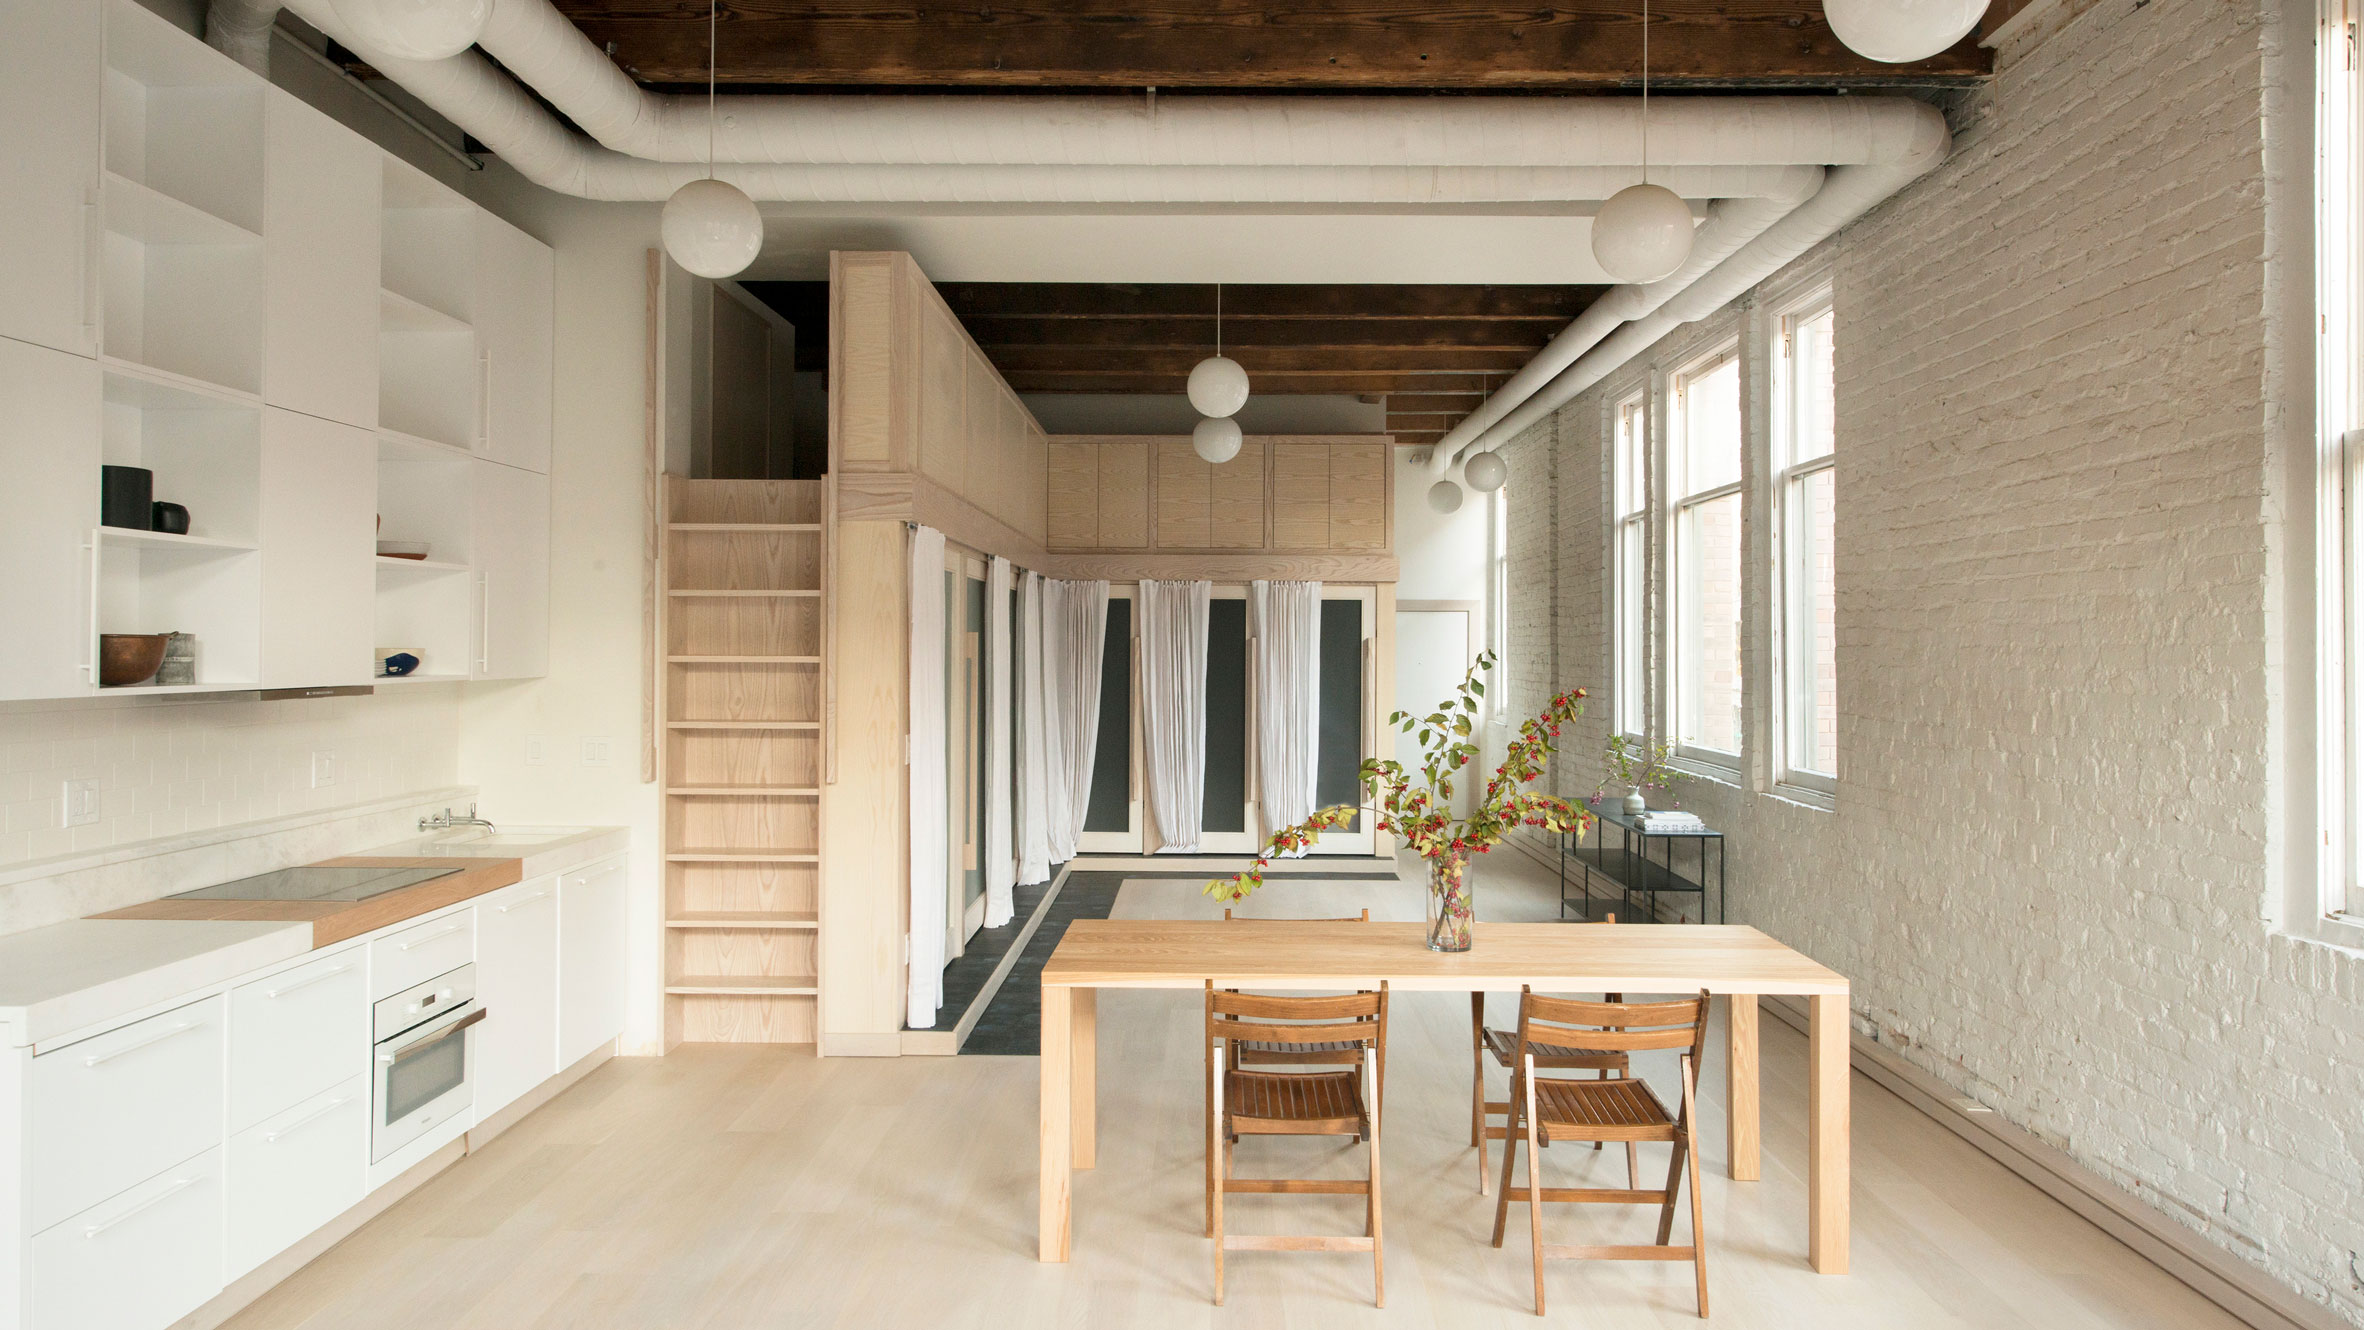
(1218, 385)
(1216, 439)
(710, 226)
(415, 29)
(1898, 32)
(1445, 497)
(1485, 472)
(1643, 232)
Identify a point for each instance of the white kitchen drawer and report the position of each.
(107, 1111)
(135, 1261)
(296, 1033)
(296, 1171)
(419, 953)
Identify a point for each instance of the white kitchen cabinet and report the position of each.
(139, 1260)
(515, 326)
(49, 99)
(517, 985)
(512, 535)
(591, 960)
(295, 1171)
(319, 551)
(320, 265)
(49, 508)
(421, 952)
(115, 1108)
(295, 1033)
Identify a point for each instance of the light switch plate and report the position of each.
(537, 751)
(324, 768)
(598, 752)
(80, 805)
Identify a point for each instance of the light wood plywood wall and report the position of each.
(1282, 495)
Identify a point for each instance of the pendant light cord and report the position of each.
(1645, 91)
(1218, 318)
(713, 49)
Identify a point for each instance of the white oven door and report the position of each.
(423, 1077)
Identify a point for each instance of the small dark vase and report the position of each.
(127, 497)
(171, 519)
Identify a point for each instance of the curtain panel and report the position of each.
(931, 800)
(1284, 620)
(1174, 710)
(1001, 869)
(1034, 771)
(1074, 633)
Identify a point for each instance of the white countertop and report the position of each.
(69, 976)
(66, 976)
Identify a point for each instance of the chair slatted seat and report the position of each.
(1501, 1046)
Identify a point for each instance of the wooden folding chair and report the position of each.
(1256, 1053)
(1546, 1109)
(1485, 1042)
(1242, 1102)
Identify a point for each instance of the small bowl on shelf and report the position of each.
(395, 662)
(403, 549)
(126, 659)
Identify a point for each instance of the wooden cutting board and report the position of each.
(335, 921)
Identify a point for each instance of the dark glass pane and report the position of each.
(1225, 807)
(416, 1081)
(1112, 767)
(973, 881)
(1338, 760)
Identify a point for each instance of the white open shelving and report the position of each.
(428, 604)
(430, 370)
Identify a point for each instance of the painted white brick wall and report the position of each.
(170, 766)
(2047, 870)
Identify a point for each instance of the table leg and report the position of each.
(1827, 1131)
(1057, 1106)
(1083, 1076)
(1740, 1091)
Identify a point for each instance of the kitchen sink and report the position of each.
(522, 836)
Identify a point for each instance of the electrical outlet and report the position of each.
(324, 768)
(598, 752)
(80, 806)
(537, 751)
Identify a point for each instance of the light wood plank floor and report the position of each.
(750, 1187)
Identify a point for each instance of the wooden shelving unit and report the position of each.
(741, 762)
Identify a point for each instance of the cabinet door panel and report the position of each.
(297, 1032)
(48, 517)
(512, 572)
(296, 1171)
(116, 1107)
(319, 507)
(49, 100)
(515, 327)
(591, 919)
(517, 982)
(320, 271)
(138, 1260)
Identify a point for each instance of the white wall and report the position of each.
(2052, 870)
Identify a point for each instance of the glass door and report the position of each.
(1228, 821)
(1112, 817)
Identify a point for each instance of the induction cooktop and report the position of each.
(317, 884)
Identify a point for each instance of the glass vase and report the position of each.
(1451, 913)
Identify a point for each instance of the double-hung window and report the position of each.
(1630, 517)
(2338, 472)
(1805, 491)
(1703, 456)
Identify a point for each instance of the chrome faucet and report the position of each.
(444, 820)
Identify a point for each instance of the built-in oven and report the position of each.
(424, 1067)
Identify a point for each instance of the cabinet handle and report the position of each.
(273, 1137)
(445, 931)
(522, 900)
(484, 623)
(301, 984)
(178, 1185)
(183, 1028)
(90, 555)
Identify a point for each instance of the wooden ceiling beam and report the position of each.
(1257, 360)
(971, 301)
(1331, 382)
(1120, 332)
(1457, 403)
(1388, 45)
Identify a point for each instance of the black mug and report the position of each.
(126, 497)
(171, 519)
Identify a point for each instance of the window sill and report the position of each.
(2343, 933)
(1707, 769)
(1804, 796)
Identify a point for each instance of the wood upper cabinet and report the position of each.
(49, 176)
(1282, 494)
(1328, 496)
(516, 290)
(316, 514)
(320, 265)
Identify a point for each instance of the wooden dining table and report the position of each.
(1733, 961)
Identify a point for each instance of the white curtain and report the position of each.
(1074, 631)
(1001, 870)
(931, 799)
(1285, 620)
(1034, 772)
(1174, 709)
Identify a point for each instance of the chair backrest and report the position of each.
(1348, 919)
(1298, 1022)
(1621, 1026)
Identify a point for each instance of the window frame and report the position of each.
(1793, 708)
(1629, 564)
(2338, 477)
(1673, 457)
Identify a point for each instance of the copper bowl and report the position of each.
(129, 658)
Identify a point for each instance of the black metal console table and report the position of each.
(1644, 864)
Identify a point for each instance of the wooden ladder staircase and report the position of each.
(742, 567)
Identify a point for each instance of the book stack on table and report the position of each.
(1661, 821)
